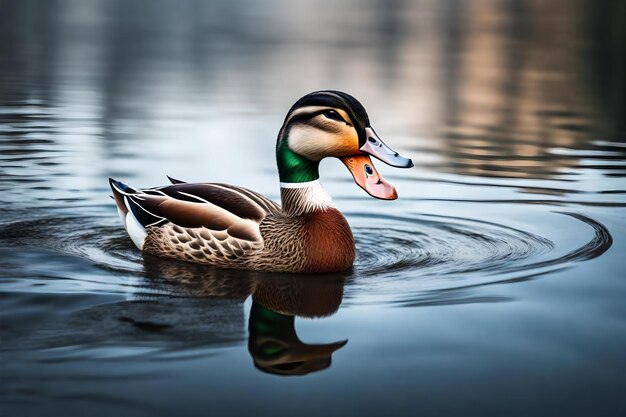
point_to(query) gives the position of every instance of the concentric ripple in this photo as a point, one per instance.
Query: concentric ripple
(434, 245)
(406, 258)
(410, 258)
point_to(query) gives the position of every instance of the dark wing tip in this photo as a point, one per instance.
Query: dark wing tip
(121, 187)
(118, 194)
(113, 182)
(174, 180)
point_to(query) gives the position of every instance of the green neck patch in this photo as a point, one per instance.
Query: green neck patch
(293, 167)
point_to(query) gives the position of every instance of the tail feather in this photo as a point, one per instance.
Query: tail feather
(120, 189)
(123, 196)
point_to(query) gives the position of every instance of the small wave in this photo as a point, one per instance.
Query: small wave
(401, 258)
(415, 259)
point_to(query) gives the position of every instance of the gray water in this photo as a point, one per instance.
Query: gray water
(494, 285)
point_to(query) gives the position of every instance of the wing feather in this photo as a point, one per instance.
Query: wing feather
(207, 221)
(232, 200)
(260, 199)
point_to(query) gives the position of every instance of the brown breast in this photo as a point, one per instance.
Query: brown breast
(330, 244)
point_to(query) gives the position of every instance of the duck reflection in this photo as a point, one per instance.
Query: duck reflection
(185, 308)
(276, 348)
(273, 342)
(276, 302)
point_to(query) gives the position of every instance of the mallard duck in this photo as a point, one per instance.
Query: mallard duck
(233, 227)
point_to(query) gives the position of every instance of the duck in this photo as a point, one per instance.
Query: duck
(232, 227)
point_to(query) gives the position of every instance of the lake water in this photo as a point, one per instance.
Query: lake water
(494, 285)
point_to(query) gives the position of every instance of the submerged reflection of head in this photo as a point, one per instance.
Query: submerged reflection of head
(273, 343)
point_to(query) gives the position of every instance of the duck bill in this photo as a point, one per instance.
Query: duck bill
(378, 149)
(366, 177)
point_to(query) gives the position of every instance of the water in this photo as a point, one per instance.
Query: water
(493, 285)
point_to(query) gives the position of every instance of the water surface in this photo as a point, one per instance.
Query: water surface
(493, 286)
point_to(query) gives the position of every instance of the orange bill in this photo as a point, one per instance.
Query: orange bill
(366, 177)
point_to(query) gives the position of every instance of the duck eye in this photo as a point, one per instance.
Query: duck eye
(332, 114)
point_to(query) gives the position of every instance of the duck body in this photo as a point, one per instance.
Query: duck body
(234, 227)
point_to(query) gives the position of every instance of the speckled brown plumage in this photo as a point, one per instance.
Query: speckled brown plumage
(232, 227)
(313, 242)
(320, 241)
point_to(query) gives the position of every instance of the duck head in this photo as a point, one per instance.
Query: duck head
(332, 123)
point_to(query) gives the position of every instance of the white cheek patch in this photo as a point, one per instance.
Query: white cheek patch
(309, 142)
(316, 144)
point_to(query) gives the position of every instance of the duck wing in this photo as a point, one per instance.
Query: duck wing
(221, 213)
(260, 199)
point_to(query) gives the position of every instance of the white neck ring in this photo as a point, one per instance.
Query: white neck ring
(299, 184)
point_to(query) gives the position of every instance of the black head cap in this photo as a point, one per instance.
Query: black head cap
(340, 100)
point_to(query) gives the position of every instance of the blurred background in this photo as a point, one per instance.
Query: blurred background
(460, 74)
(493, 285)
